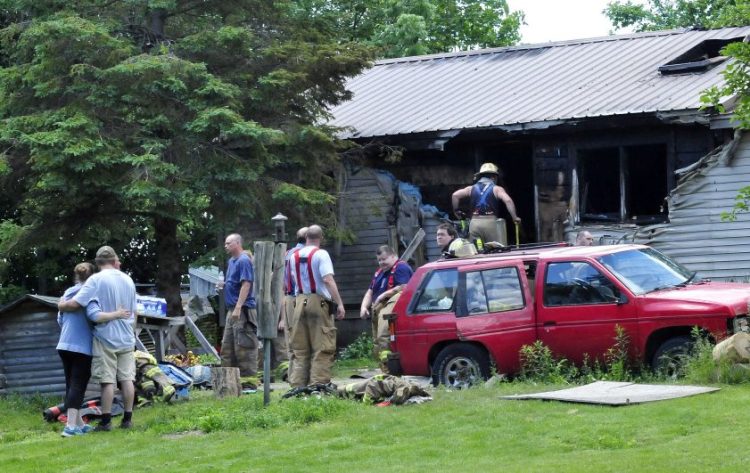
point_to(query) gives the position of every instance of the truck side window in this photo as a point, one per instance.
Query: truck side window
(493, 290)
(438, 292)
(576, 283)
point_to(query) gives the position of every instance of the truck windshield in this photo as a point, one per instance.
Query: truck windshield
(645, 270)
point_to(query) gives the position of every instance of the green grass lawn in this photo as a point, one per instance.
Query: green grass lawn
(463, 431)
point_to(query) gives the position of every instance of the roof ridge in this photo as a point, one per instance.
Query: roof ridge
(551, 44)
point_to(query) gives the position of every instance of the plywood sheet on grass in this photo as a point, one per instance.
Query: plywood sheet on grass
(617, 393)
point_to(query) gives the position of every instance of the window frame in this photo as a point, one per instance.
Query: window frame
(623, 147)
(603, 275)
(414, 303)
(461, 307)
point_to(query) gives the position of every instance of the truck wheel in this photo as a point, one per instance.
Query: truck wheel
(460, 366)
(671, 357)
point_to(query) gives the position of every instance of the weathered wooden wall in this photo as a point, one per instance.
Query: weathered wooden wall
(28, 337)
(368, 214)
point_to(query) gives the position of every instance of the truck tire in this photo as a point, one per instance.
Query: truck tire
(670, 358)
(460, 366)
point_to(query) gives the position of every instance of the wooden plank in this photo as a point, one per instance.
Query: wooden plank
(28, 358)
(36, 374)
(35, 379)
(42, 389)
(200, 337)
(26, 342)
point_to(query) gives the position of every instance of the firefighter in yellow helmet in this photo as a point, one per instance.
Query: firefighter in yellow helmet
(485, 196)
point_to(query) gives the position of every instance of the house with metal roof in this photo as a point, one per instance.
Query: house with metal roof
(605, 134)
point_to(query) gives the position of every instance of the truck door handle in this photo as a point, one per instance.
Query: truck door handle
(550, 323)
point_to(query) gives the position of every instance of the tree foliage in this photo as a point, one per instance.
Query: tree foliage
(670, 14)
(156, 123)
(411, 27)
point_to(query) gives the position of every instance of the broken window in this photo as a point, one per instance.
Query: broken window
(623, 183)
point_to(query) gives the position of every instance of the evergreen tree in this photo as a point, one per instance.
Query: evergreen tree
(123, 121)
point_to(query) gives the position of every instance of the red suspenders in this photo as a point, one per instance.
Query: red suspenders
(289, 283)
(308, 262)
(390, 276)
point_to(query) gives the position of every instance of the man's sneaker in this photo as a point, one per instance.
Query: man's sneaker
(103, 427)
(86, 428)
(126, 424)
(71, 431)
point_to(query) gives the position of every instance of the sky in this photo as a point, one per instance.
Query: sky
(559, 20)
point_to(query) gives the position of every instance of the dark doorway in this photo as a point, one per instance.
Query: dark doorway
(517, 166)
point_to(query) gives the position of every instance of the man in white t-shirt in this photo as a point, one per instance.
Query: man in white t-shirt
(313, 332)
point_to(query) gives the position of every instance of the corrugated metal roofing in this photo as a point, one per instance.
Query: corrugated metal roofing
(613, 75)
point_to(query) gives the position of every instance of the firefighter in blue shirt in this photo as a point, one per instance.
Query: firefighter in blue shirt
(383, 293)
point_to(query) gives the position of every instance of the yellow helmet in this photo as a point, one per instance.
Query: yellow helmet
(488, 168)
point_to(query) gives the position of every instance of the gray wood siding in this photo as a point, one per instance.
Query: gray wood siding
(696, 236)
(367, 206)
(28, 358)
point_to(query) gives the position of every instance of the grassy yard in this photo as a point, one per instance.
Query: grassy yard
(465, 431)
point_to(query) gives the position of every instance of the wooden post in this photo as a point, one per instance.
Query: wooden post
(226, 382)
(269, 280)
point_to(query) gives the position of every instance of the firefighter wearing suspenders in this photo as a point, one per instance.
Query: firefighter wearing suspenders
(485, 197)
(287, 310)
(383, 293)
(313, 334)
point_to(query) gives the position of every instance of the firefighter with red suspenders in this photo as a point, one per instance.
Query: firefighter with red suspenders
(287, 308)
(313, 333)
(383, 293)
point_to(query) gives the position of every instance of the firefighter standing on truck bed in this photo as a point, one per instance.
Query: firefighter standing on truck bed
(313, 334)
(485, 197)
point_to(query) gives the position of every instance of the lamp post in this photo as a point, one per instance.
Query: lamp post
(279, 225)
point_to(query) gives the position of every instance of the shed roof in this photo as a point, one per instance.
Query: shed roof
(44, 300)
(532, 84)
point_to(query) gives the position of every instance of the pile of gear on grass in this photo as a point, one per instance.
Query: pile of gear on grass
(381, 390)
(155, 382)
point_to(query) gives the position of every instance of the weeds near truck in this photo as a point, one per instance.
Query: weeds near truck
(539, 364)
(617, 357)
(700, 367)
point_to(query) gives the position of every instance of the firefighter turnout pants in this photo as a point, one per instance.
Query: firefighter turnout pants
(313, 341)
(288, 319)
(239, 346)
(488, 228)
(381, 336)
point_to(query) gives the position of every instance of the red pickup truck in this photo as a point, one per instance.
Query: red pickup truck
(457, 316)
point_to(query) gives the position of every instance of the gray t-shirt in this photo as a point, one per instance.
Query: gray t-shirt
(112, 289)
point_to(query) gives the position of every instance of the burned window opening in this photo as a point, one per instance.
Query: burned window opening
(699, 58)
(623, 184)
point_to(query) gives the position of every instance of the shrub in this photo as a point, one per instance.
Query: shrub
(617, 363)
(539, 364)
(360, 348)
